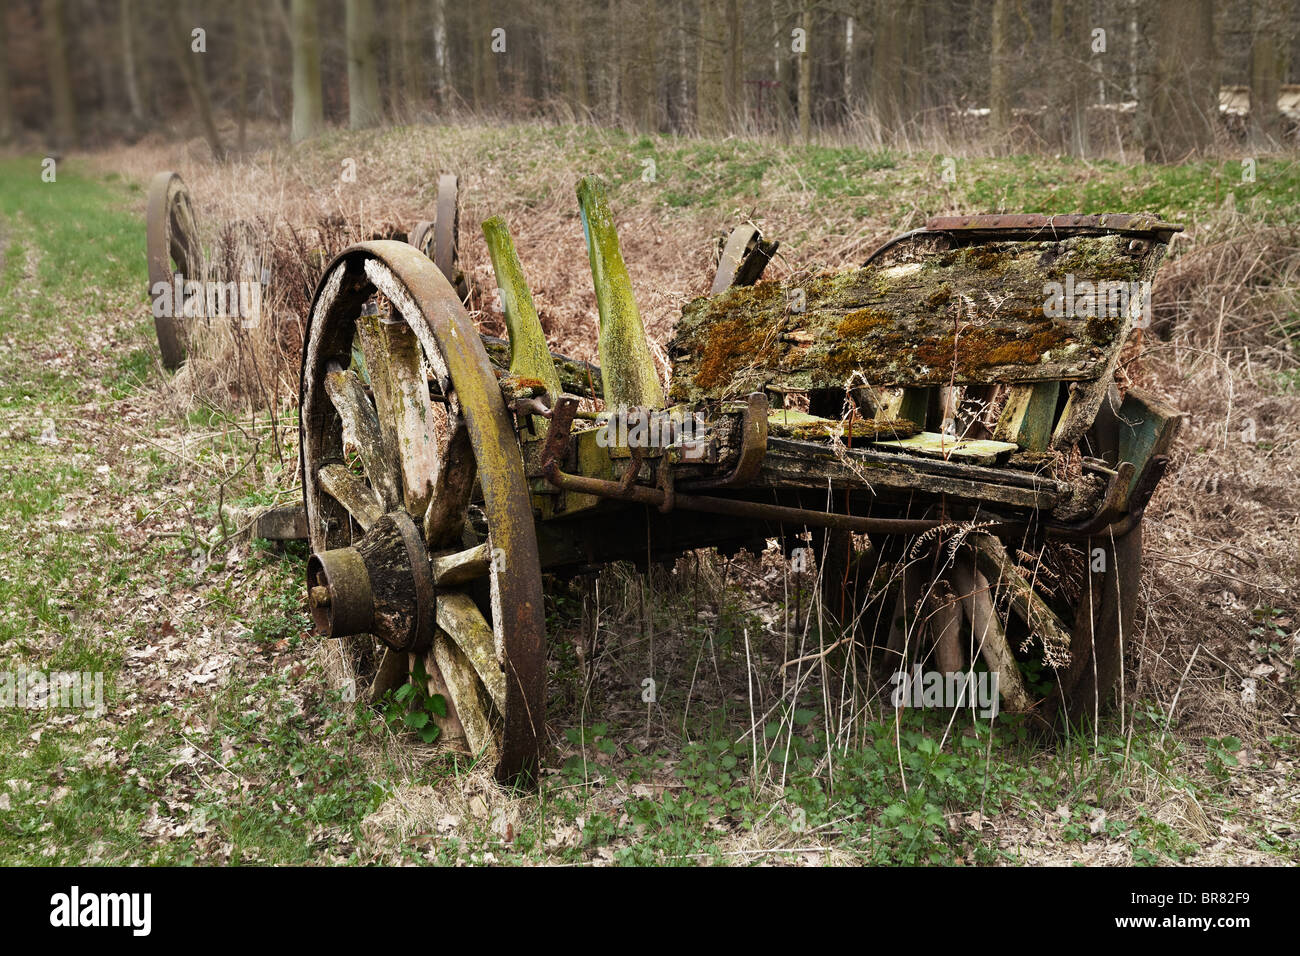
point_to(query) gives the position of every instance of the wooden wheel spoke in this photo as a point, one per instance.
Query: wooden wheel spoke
(461, 567)
(360, 500)
(489, 667)
(468, 694)
(361, 425)
(459, 618)
(395, 361)
(453, 485)
(990, 638)
(995, 564)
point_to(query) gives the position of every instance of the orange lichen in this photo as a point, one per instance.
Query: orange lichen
(732, 344)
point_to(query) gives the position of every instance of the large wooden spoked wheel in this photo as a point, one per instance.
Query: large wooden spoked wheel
(425, 552)
(172, 236)
(439, 238)
(1051, 618)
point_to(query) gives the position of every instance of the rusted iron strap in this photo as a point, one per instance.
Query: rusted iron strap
(1137, 504)
(1036, 226)
(557, 433)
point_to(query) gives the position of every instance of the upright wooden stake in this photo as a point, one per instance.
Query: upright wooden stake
(626, 364)
(529, 356)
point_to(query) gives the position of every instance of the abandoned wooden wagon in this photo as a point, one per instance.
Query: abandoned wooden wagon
(941, 427)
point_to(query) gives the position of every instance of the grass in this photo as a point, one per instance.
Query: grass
(223, 742)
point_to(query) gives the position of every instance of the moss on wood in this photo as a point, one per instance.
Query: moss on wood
(970, 315)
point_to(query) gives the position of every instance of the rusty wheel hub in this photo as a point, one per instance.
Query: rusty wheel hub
(383, 585)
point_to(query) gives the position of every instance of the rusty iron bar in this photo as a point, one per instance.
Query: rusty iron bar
(736, 508)
(1035, 226)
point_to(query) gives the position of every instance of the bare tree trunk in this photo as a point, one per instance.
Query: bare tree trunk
(241, 74)
(710, 78)
(268, 69)
(438, 79)
(735, 65)
(639, 86)
(887, 65)
(577, 70)
(1183, 103)
(782, 69)
(999, 92)
(126, 13)
(487, 86)
(308, 104)
(188, 62)
(94, 22)
(1268, 20)
(805, 77)
(406, 44)
(363, 65)
(6, 97)
(1069, 84)
(56, 56)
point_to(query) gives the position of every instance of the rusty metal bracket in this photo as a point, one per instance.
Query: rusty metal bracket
(557, 435)
(1035, 226)
(737, 508)
(753, 447)
(1112, 503)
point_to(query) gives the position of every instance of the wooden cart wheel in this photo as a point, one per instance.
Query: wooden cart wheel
(439, 239)
(173, 247)
(421, 236)
(1052, 622)
(396, 436)
(742, 259)
(446, 228)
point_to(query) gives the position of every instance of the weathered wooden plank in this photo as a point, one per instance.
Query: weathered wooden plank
(976, 451)
(408, 397)
(976, 314)
(1028, 415)
(1147, 427)
(361, 426)
(352, 493)
(374, 362)
(995, 565)
(988, 634)
(788, 423)
(469, 696)
(790, 465)
(453, 484)
(1102, 438)
(944, 625)
(459, 567)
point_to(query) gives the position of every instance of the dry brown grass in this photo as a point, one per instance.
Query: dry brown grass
(1222, 531)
